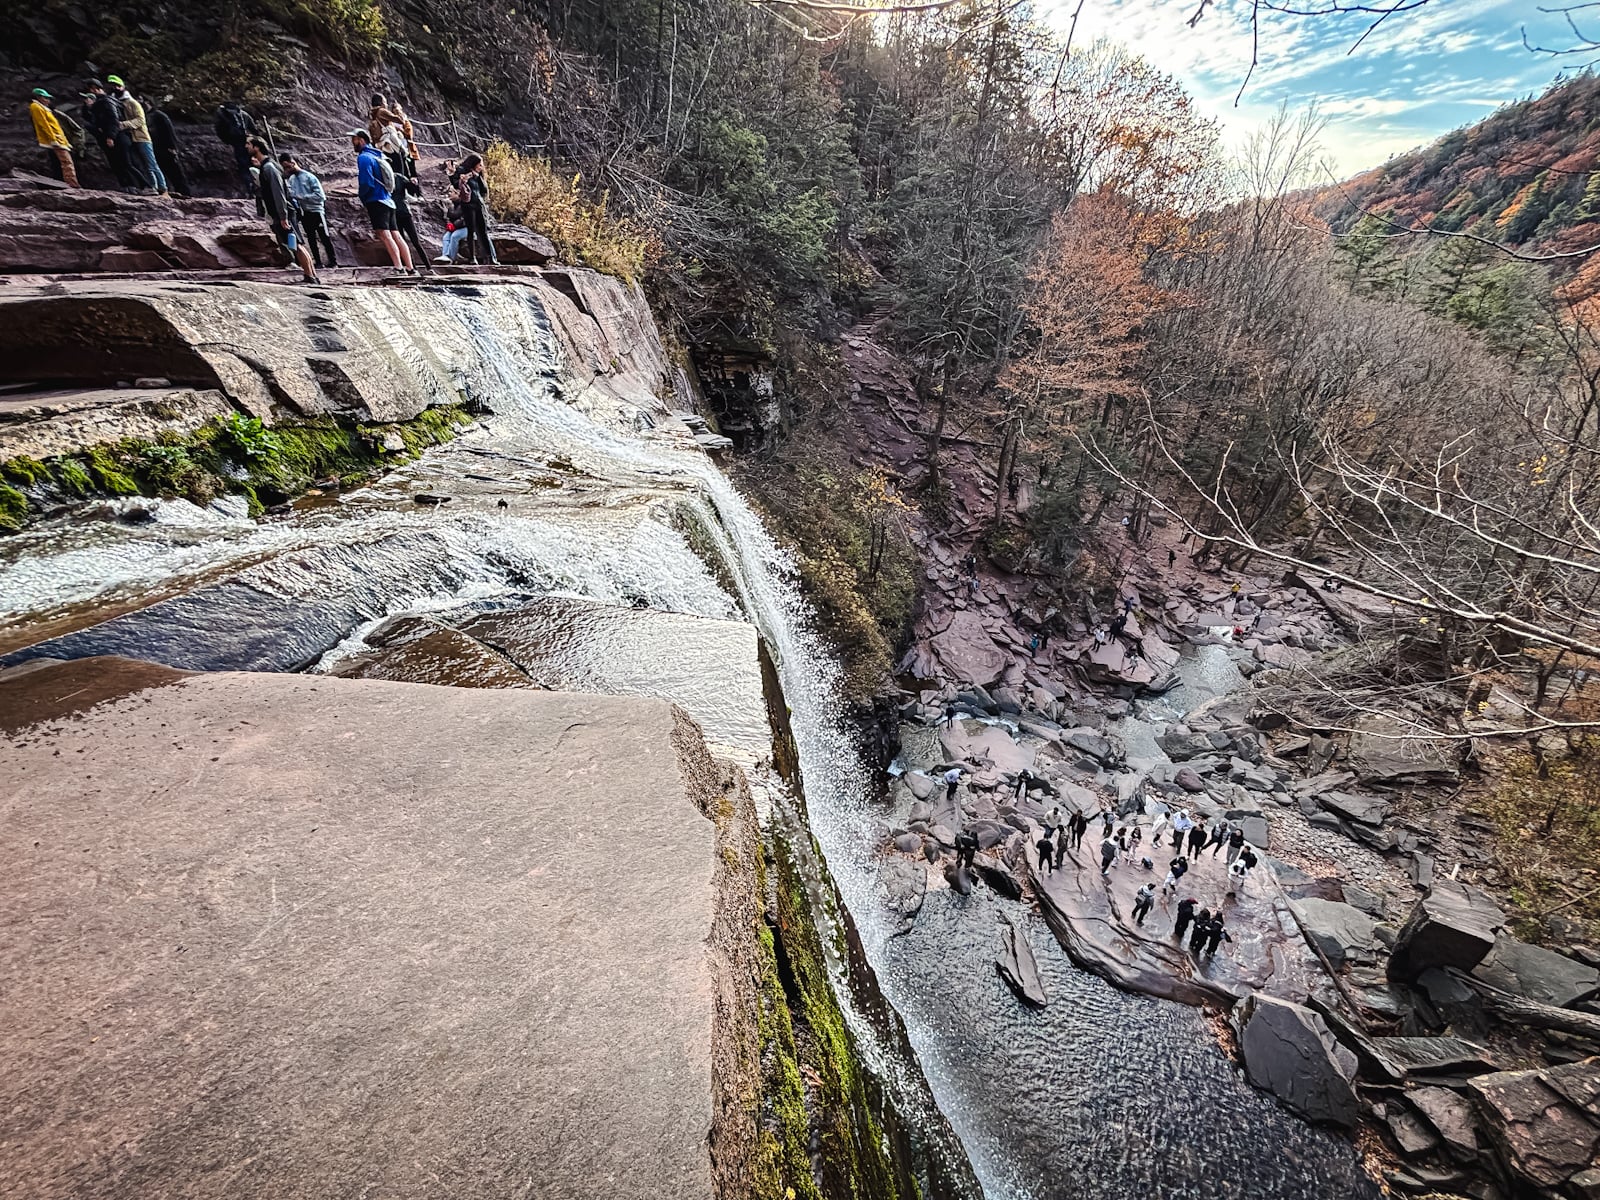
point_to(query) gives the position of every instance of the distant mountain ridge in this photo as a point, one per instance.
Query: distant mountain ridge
(1527, 176)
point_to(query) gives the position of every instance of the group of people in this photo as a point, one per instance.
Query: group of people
(1190, 838)
(138, 139)
(141, 149)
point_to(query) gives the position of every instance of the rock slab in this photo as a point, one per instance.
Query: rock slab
(1289, 1051)
(1454, 925)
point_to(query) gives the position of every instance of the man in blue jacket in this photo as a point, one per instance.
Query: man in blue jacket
(375, 178)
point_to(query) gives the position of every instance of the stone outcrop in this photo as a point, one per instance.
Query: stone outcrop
(1544, 1123)
(1341, 931)
(340, 928)
(1289, 1051)
(1385, 751)
(1454, 925)
(1538, 974)
(1018, 967)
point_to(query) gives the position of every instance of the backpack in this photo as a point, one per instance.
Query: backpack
(230, 124)
(386, 174)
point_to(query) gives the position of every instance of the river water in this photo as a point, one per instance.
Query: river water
(605, 533)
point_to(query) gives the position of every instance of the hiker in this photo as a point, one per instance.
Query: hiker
(104, 117)
(1235, 843)
(1135, 836)
(1143, 900)
(966, 848)
(950, 710)
(1108, 821)
(1237, 870)
(233, 127)
(312, 201)
(164, 140)
(1108, 854)
(1234, 590)
(385, 116)
(475, 189)
(1033, 645)
(280, 208)
(455, 220)
(1202, 926)
(1055, 822)
(1061, 846)
(375, 179)
(1197, 838)
(1118, 624)
(393, 147)
(1181, 825)
(1185, 916)
(1158, 827)
(1219, 836)
(1122, 843)
(1172, 558)
(1047, 853)
(1023, 782)
(1079, 825)
(1100, 635)
(1215, 934)
(1176, 870)
(52, 139)
(952, 778)
(141, 154)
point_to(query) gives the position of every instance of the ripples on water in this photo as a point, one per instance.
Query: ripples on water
(1102, 1094)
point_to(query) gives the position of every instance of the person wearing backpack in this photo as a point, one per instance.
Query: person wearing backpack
(141, 154)
(234, 127)
(375, 182)
(164, 138)
(104, 116)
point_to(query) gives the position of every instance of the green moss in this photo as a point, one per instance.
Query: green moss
(276, 463)
(13, 508)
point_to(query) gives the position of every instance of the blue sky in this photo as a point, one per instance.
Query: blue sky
(1417, 76)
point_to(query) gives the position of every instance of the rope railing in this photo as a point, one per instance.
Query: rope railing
(320, 140)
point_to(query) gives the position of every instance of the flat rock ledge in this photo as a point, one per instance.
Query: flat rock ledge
(288, 936)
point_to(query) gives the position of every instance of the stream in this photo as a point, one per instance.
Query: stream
(634, 562)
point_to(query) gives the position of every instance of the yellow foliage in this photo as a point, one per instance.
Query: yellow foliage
(528, 190)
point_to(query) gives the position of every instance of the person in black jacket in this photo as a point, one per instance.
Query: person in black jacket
(234, 127)
(103, 115)
(406, 186)
(473, 181)
(164, 140)
(280, 209)
(1185, 916)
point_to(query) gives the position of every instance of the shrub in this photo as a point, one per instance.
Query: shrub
(527, 190)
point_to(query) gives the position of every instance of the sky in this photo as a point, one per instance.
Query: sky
(1418, 75)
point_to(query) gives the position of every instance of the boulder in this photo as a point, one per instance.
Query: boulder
(1180, 745)
(1368, 810)
(1018, 967)
(1409, 1133)
(967, 652)
(1451, 1116)
(1545, 1123)
(1454, 925)
(1383, 750)
(958, 879)
(1189, 781)
(1538, 974)
(1341, 931)
(908, 843)
(1256, 832)
(997, 876)
(254, 245)
(905, 885)
(1097, 746)
(1289, 1051)
(522, 247)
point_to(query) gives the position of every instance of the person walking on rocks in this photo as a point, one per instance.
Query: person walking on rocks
(952, 780)
(950, 711)
(375, 182)
(1185, 917)
(1235, 843)
(1202, 927)
(1219, 835)
(1143, 900)
(141, 154)
(164, 140)
(280, 209)
(52, 139)
(1215, 934)
(1181, 825)
(1024, 778)
(1158, 827)
(1239, 868)
(1108, 822)
(312, 201)
(966, 848)
(1047, 853)
(1197, 838)
(1079, 825)
(1176, 870)
(234, 127)
(1108, 854)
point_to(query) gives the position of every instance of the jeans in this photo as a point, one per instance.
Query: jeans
(144, 160)
(451, 246)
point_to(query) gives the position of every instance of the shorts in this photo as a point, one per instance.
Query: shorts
(381, 216)
(282, 234)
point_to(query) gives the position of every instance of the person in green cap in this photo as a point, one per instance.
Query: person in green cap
(141, 154)
(52, 139)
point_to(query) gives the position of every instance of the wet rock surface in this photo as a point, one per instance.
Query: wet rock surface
(376, 894)
(1288, 1050)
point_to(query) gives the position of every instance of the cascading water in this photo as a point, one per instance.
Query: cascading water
(1099, 1093)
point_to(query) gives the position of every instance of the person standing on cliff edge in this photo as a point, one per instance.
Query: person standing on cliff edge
(280, 209)
(375, 178)
(52, 139)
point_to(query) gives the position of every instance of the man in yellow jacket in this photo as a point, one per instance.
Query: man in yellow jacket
(47, 132)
